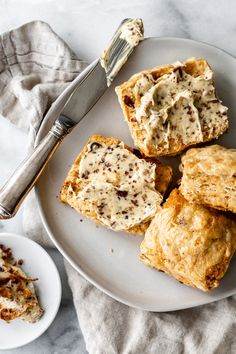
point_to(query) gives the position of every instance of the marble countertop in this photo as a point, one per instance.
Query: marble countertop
(86, 26)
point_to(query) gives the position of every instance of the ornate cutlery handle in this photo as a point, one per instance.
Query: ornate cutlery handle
(113, 58)
(26, 175)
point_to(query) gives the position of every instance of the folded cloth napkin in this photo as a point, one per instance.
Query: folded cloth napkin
(35, 67)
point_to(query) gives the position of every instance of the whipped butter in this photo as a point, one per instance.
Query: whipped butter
(178, 105)
(120, 185)
(121, 46)
(132, 32)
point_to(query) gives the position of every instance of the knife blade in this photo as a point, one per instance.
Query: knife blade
(100, 74)
(84, 98)
(91, 84)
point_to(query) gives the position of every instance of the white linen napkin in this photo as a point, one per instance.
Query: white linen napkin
(35, 67)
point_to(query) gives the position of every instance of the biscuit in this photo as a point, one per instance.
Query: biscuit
(209, 177)
(172, 107)
(113, 186)
(190, 242)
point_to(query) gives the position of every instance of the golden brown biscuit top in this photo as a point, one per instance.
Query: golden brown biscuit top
(214, 160)
(178, 104)
(191, 242)
(120, 185)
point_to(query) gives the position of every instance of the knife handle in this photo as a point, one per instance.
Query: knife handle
(25, 176)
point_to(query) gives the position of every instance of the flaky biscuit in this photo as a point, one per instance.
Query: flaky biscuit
(190, 242)
(209, 177)
(73, 184)
(189, 120)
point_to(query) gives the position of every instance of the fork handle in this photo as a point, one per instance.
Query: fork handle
(25, 176)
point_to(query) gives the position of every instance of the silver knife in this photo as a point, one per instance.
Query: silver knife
(92, 83)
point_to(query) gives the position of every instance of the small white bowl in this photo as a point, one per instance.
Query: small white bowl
(38, 264)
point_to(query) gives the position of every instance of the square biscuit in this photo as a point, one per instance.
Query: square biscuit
(190, 242)
(209, 177)
(171, 107)
(115, 186)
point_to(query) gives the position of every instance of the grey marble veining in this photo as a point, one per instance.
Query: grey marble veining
(86, 25)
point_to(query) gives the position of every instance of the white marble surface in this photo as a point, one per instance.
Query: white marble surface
(86, 26)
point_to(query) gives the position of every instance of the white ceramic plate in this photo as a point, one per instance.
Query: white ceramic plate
(37, 263)
(107, 259)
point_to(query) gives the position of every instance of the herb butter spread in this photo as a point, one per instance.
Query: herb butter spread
(17, 294)
(120, 185)
(132, 32)
(121, 46)
(178, 106)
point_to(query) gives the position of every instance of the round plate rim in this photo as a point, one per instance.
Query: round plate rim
(64, 253)
(26, 239)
